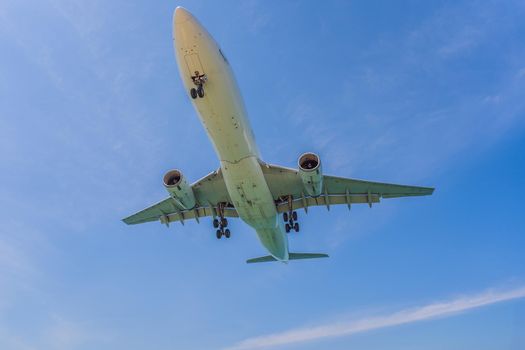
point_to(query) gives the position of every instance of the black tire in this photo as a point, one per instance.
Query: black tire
(285, 217)
(215, 223)
(227, 233)
(224, 222)
(200, 91)
(219, 234)
(294, 216)
(193, 93)
(296, 227)
(287, 228)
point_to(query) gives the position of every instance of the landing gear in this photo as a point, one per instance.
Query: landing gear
(291, 225)
(291, 221)
(200, 91)
(287, 217)
(290, 217)
(221, 223)
(199, 80)
(193, 93)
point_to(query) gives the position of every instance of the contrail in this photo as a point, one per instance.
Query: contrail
(433, 310)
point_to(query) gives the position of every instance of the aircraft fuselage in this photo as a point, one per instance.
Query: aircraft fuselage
(223, 114)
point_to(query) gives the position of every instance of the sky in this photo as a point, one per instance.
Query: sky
(93, 113)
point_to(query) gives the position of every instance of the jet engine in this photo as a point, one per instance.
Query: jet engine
(179, 189)
(311, 173)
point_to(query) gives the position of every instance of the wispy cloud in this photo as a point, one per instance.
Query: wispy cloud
(258, 19)
(58, 333)
(66, 334)
(422, 313)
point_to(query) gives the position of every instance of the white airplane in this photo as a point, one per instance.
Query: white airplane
(245, 186)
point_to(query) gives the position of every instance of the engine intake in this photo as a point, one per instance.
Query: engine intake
(311, 173)
(179, 189)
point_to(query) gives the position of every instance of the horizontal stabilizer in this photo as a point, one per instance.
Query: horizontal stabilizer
(297, 256)
(261, 259)
(292, 256)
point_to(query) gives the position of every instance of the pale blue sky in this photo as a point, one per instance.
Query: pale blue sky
(92, 113)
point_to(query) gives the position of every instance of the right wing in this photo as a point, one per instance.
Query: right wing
(284, 182)
(209, 192)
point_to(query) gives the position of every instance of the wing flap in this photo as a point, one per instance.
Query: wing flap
(385, 190)
(197, 213)
(153, 212)
(160, 212)
(327, 201)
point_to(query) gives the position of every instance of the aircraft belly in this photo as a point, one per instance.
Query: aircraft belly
(254, 203)
(249, 192)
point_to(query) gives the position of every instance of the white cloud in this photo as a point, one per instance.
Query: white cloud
(422, 313)
(258, 19)
(66, 334)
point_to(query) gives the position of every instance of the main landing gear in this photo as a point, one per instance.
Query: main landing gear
(290, 217)
(199, 80)
(221, 223)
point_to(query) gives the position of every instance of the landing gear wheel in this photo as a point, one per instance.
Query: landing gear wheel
(294, 216)
(215, 223)
(224, 222)
(227, 233)
(200, 91)
(193, 93)
(285, 217)
(296, 227)
(219, 234)
(287, 228)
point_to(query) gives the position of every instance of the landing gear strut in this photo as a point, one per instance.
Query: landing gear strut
(199, 80)
(221, 223)
(290, 217)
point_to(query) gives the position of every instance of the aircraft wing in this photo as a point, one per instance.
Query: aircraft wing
(209, 191)
(284, 182)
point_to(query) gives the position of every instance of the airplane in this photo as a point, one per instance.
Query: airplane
(245, 186)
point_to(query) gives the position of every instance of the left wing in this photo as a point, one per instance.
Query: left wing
(284, 182)
(210, 193)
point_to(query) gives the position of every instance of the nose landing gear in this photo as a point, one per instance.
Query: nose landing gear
(199, 80)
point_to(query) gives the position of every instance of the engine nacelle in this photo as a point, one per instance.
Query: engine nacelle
(311, 173)
(179, 189)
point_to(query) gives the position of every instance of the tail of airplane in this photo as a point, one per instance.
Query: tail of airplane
(291, 256)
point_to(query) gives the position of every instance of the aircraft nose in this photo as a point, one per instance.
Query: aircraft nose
(181, 15)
